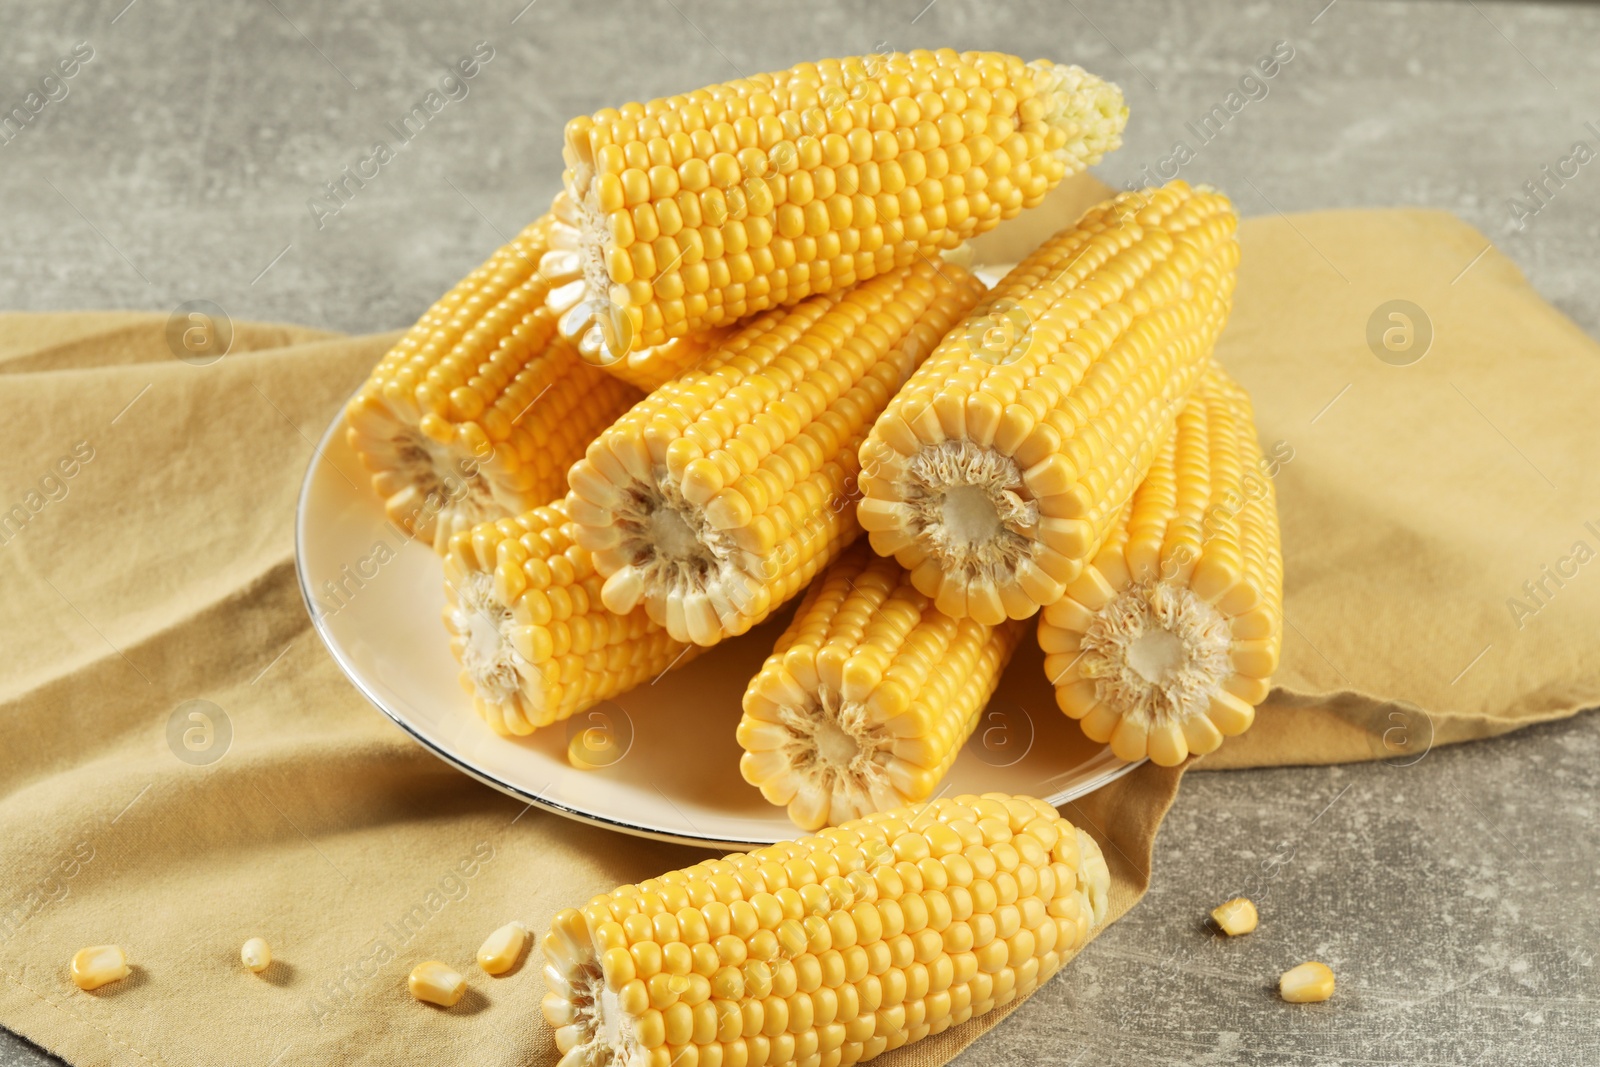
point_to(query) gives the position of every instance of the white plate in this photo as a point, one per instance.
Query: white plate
(679, 779)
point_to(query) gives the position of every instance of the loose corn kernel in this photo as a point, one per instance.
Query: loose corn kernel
(1237, 916)
(833, 948)
(437, 983)
(1309, 983)
(998, 470)
(99, 965)
(868, 696)
(501, 949)
(526, 622)
(1167, 640)
(695, 210)
(256, 954)
(719, 496)
(480, 408)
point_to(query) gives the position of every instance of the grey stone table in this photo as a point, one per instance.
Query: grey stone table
(190, 155)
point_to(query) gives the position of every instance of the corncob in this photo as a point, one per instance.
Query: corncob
(827, 950)
(868, 696)
(1165, 644)
(721, 494)
(695, 210)
(526, 624)
(480, 408)
(996, 472)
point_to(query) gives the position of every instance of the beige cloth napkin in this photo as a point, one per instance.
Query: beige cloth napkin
(150, 566)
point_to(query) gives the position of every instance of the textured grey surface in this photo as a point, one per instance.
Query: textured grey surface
(1454, 897)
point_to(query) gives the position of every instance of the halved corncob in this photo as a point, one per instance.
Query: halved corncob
(997, 471)
(868, 696)
(719, 496)
(522, 606)
(692, 211)
(480, 408)
(827, 950)
(1166, 642)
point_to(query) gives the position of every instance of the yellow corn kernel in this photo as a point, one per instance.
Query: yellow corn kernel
(998, 470)
(502, 949)
(1237, 916)
(868, 696)
(99, 965)
(438, 983)
(719, 496)
(692, 211)
(866, 937)
(524, 613)
(1309, 983)
(256, 954)
(479, 409)
(1168, 639)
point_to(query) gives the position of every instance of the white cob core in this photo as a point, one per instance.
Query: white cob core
(1158, 651)
(605, 1037)
(835, 747)
(969, 508)
(488, 659)
(671, 535)
(580, 239)
(969, 515)
(1155, 654)
(679, 559)
(434, 499)
(838, 755)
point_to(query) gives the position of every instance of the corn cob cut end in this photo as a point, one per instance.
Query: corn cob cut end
(1160, 654)
(674, 563)
(868, 697)
(973, 523)
(595, 316)
(827, 761)
(1167, 642)
(493, 672)
(699, 209)
(523, 612)
(829, 949)
(432, 485)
